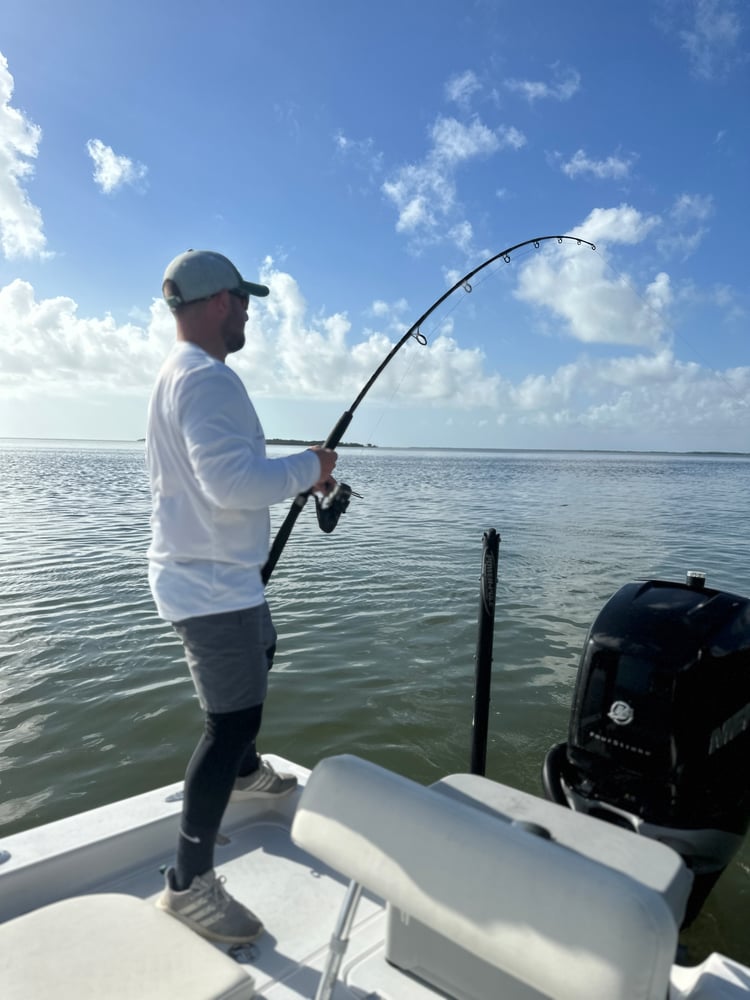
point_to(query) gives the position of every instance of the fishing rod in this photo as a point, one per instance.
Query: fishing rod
(336, 503)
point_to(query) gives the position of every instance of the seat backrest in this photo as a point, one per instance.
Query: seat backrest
(547, 916)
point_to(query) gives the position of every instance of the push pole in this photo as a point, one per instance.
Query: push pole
(483, 673)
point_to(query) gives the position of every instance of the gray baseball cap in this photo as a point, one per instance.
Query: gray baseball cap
(199, 274)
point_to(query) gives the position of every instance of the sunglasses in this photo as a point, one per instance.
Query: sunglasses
(242, 296)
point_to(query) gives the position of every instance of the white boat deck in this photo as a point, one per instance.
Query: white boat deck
(296, 896)
(121, 849)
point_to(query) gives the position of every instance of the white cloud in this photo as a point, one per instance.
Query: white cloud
(49, 352)
(288, 113)
(448, 373)
(452, 141)
(640, 401)
(511, 137)
(293, 355)
(613, 167)
(462, 87)
(673, 400)
(686, 225)
(711, 38)
(361, 152)
(46, 347)
(462, 235)
(726, 300)
(599, 305)
(393, 318)
(414, 190)
(21, 228)
(425, 193)
(623, 224)
(565, 86)
(111, 170)
(691, 207)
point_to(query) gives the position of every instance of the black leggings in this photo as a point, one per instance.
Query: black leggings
(226, 749)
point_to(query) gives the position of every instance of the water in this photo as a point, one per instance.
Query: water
(377, 622)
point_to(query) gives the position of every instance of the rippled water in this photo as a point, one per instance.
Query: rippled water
(377, 622)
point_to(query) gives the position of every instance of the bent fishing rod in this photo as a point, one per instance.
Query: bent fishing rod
(330, 508)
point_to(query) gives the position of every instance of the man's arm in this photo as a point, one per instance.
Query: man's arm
(226, 449)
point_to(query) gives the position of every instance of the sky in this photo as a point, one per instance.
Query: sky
(360, 158)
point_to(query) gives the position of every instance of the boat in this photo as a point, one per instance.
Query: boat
(467, 888)
(372, 886)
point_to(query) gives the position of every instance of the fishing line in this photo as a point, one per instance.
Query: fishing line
(468, 288)
(396, 391)
(414, 331)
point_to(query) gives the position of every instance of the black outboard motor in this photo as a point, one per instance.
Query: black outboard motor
(659, 738)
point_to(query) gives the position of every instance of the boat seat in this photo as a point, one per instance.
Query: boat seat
(542, 918)
(116, 947)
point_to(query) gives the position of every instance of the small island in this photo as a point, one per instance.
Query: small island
(307, 444)
(302, 444)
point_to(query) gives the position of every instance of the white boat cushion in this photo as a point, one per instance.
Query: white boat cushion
(554, 920)
(115, 947)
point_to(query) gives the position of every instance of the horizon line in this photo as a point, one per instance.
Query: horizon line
(288, 442)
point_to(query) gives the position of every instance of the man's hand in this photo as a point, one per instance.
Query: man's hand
(324, 486)
(327, 458)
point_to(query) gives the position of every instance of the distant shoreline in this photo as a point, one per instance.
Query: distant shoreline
(307, 444)
(294, 442)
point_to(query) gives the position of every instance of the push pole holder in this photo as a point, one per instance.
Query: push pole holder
(483, 675)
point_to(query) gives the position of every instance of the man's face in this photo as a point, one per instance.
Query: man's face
(233, 328)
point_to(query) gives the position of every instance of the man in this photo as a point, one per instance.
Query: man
(211, 486)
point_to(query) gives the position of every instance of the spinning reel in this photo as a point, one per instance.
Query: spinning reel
(330, 507)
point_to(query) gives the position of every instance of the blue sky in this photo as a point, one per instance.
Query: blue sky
(360, 158)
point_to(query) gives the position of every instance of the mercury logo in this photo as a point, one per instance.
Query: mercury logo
(620, 713)
(734, 726)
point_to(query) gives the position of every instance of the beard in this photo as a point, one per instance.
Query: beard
(233, 336)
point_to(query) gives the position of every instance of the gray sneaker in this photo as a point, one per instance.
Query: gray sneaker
(207, 908)
(265, 783)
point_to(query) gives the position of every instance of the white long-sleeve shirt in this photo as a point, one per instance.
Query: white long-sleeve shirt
(211, 485)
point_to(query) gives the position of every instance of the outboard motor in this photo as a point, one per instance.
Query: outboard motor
(659, 738)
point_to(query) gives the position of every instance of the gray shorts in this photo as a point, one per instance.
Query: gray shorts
(229, 656)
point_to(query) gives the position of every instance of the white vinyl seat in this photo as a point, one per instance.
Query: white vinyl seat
(112, 947)
(531, 916)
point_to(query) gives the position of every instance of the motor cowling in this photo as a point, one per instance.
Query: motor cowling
(659, 736)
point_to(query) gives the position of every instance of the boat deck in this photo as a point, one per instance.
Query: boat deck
(296, 896)
(124, 847)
